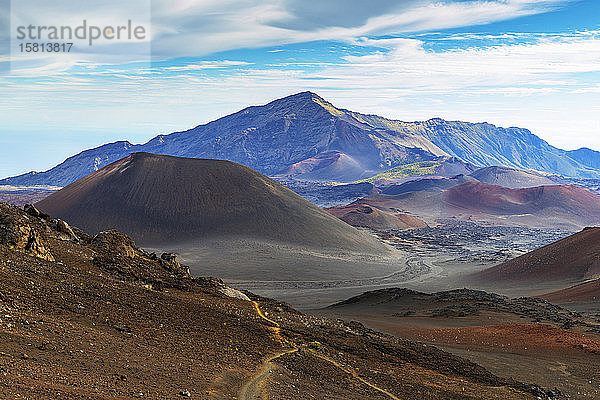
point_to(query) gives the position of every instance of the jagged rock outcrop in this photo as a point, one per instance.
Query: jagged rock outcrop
(22, 232)
(65, 231)
(115, 244)
(118, 253)
(169, 262)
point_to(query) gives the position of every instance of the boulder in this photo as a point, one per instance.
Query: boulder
(19, 232)
(34, 212)
(65, 230)
(115, 243)
(36, 247)
(169, 262)
(31, 210)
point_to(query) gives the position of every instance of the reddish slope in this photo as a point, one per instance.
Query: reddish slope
(582, 293)
(573, 258)
(162, 199)
(363, 215)
(498, 200)
(559, 206)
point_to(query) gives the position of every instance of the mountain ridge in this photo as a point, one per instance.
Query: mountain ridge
(296, 129)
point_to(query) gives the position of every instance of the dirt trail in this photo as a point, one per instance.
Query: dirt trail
(254, 389)
(354, 375)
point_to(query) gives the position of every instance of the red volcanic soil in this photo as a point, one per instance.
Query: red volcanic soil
(363, 215)
(564, 206)
(162, 199)
(513, 338)
(498, 200)
(582, 293)
(576, 257)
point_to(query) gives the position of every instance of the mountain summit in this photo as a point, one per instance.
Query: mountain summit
(307, 137)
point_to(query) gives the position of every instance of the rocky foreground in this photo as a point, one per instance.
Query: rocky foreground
(85, 317)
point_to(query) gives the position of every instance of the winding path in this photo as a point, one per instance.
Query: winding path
(254, 388)
(415, 268)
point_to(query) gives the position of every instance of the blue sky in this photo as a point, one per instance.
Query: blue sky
(528, 63)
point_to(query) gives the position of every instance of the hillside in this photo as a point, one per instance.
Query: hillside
(157, 199)
(513, 178)
(520, 337)
(488, 145)
(425, 184)
(362, 215)
(559, 206)
(561, 200)
(98, 317)
(304, 135)
(443, 166)
(587, 292)
(571, 259)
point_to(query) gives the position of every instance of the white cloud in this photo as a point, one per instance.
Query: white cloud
(196, 28)
(208, 65)
(409, 65)
(200, 28)
(537, 85)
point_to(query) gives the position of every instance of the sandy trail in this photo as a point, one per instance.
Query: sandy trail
(254, 388)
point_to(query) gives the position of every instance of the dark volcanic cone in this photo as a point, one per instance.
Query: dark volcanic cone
(162, 199)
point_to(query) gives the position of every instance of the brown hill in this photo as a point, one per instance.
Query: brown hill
(162, 199)
(423, 184)
(329, 166)
(573, 258)
(583, 293)
(363, 215)
(514, 178)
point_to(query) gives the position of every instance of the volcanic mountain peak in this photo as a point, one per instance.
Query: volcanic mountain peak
(273, 137)
(297, 101)
(289, 105)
